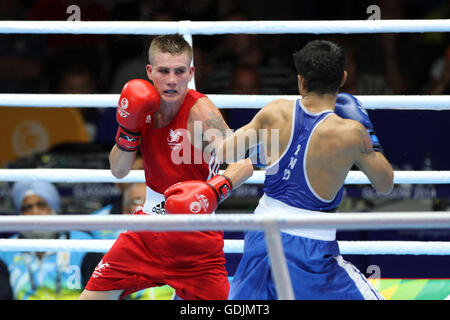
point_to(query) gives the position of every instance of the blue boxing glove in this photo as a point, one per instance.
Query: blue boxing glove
(348, 107)
(257, 156)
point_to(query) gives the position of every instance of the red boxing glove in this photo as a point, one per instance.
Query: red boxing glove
(138, 100)
(197, 196)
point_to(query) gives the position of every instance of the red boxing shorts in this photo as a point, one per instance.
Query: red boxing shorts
(193, 263)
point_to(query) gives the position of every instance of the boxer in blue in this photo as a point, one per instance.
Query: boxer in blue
(319, 139)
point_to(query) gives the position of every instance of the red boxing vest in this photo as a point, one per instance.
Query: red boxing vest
(168, 155)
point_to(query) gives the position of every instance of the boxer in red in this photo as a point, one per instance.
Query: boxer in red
(163, 120)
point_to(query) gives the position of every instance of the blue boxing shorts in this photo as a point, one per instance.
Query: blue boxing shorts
(316, 268)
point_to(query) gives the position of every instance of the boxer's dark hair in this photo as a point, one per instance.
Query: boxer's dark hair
(321, 63)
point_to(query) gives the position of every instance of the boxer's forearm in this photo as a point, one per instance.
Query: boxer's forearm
(239, 172)
(235, 147)
(121, 162)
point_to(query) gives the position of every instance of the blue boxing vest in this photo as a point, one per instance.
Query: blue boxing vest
(286, 179)
(316, 268)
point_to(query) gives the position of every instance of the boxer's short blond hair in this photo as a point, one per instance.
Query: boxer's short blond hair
(169, 43)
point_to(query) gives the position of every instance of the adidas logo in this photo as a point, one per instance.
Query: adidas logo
(159, 208)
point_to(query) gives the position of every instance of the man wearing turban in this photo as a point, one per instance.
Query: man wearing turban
(36, 198)
(45, 275)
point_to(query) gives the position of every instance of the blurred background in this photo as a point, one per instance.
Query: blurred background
(378, 64)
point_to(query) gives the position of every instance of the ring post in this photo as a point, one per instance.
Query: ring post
(278, 262)
(184, 26)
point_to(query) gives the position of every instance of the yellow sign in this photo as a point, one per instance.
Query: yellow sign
(27, 131)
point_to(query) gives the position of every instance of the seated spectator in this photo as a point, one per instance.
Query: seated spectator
(40, 275)
(133, 195)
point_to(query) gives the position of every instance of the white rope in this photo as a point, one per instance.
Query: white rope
(234, 246)
(224, 27)
(395, 247)
(223, 101)
(236, 221)
(105, 176)
(266, 222)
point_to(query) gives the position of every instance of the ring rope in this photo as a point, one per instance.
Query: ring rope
(235, 246)
(105, 176)
(225, 27)
(236, 221)
(223, 101)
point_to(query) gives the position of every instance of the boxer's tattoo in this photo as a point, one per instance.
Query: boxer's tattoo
(367, 144)
(216, 121)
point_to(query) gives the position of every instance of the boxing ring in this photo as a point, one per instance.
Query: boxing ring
(270, 223)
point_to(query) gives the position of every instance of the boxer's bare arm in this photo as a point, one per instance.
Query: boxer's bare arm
(374, 165)
(276, 115)
(214, 130)
(121, 162)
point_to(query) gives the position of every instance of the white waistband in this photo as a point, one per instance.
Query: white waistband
(271, 205)
(154, 202)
